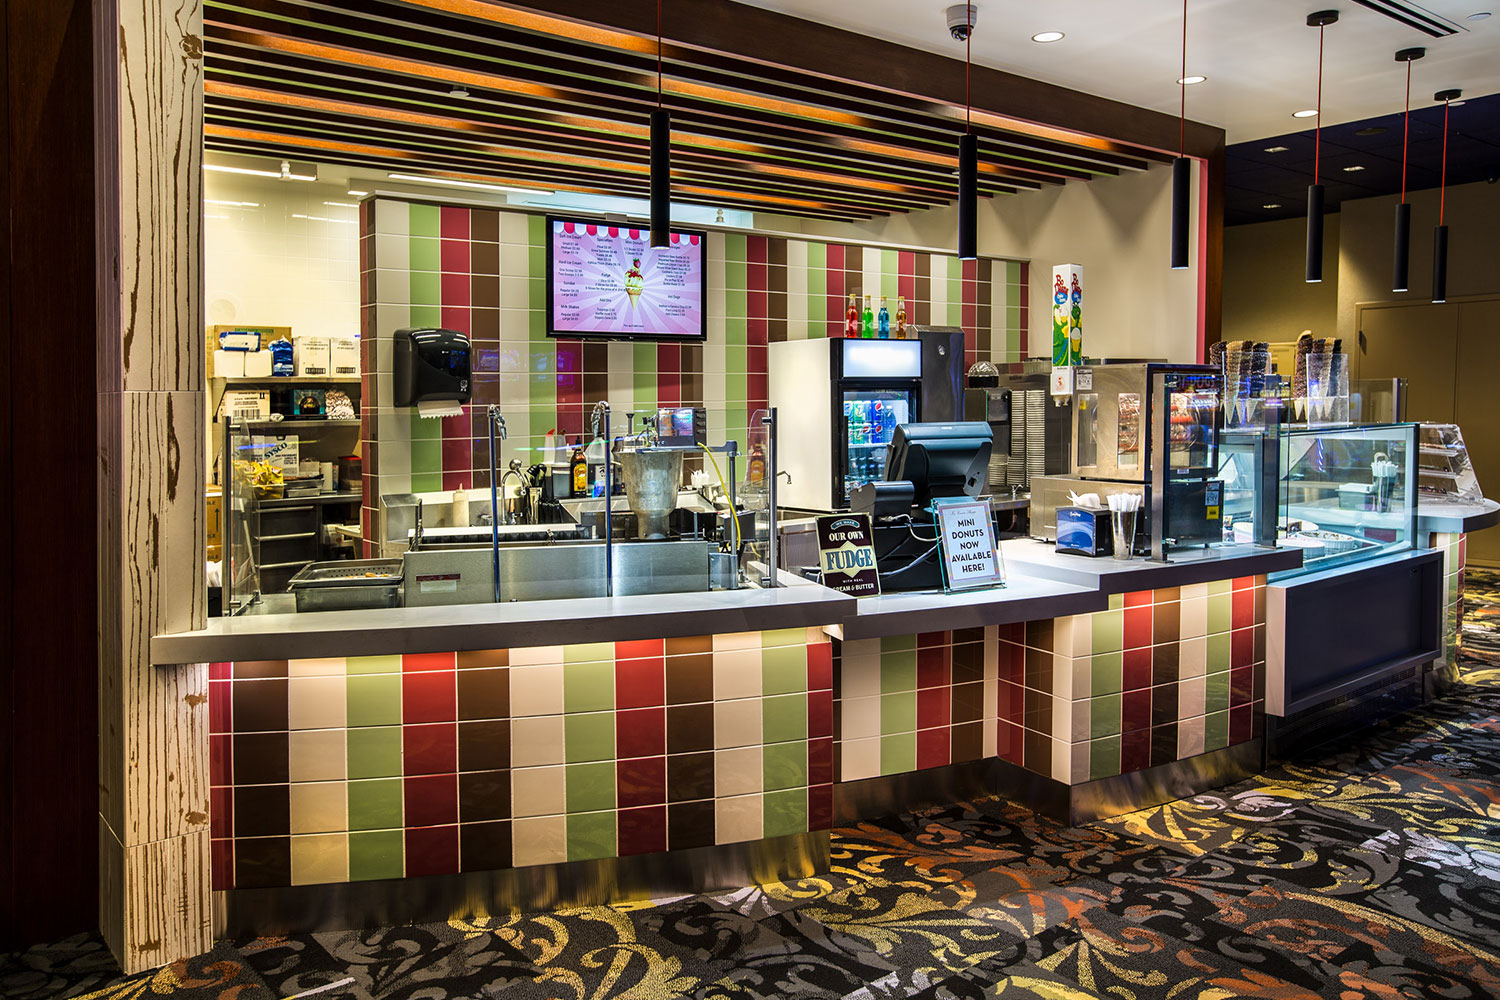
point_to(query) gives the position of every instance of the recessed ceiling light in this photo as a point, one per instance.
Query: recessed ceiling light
(1371, 130)
(358, 194)
(1188, 81)
(459, 90)
(1275, 149)
(449, 182)
(1456, 104)
(1306, 113)
(1479, 15)
(1274, 204)
(1048, 36)
(1355, 168)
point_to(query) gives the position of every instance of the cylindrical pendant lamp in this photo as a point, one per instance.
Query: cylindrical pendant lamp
(1401, 260)
(1320, 20)
(968, 196)
(1182, 176)
(661, 178)
(1440, 234)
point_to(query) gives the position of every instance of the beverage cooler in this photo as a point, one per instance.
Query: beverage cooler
(840, 400)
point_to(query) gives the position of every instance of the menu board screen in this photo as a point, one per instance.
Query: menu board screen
(606, 281)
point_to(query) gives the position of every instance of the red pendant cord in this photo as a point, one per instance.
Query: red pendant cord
(1318, 134)
(1182, 113)
(1406, 133)
(1443, 190)
(968, 73)
(658, 53)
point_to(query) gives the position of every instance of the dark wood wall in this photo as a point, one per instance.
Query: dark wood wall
(48, 675)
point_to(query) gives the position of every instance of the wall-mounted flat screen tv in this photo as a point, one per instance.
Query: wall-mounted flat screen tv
(605, 281)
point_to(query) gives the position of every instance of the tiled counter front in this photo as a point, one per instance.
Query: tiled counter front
(1455, 554)
(377, 767)
(1161, 676)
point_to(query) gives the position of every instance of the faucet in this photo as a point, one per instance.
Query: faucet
(493, 420)
(513, 470)
(600, 418)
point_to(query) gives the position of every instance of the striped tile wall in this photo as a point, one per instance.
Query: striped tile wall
(348, 769)
(483, 272)
(1455, 549)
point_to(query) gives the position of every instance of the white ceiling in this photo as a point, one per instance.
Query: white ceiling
(1260, 56)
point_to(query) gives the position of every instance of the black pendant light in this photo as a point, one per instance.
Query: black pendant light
(968, 155)
(1182, 170)
(1440, 234)
(1319, 20)
(1400, 264)
(661, 158)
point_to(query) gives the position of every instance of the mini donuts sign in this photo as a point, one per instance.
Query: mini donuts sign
(968, 539)
(846, 555)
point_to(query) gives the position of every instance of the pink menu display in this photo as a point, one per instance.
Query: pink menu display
(607, 281)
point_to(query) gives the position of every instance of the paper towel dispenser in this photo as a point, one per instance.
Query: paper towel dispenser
(430, 365)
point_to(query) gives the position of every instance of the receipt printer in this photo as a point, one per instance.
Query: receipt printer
(429, 365)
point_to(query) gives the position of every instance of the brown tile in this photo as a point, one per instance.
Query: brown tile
(251, 669)
(1038, 670)
(1036, 752)
(263, 862)
(484, 847)
(483, 658)
(968, 663)
(484, 694)
(260, 706)
(690, 824)
(595, 387)
(1038, 711)
(260, 758)
(968, 702)
(484, 746)
(484, 325)
(595, 356)
(484, 226)
(1165, 662)
(690, 728)
(483, 795)
(690, 776)
(262, 811)
(690, 644)
(1163, 744)
(484, 291)
(1039, 634)
(690, 678)
(1166, 595)
(1163, 705)
(1166, 622)
(968, 741)
(484, 258)
(967, 635)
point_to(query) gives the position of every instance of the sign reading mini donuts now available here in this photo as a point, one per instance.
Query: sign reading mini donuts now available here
(967, 536)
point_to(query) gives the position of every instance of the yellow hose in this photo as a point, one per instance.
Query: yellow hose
(734, 515)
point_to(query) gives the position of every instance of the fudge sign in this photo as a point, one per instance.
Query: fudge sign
(968, 540)
(846, 555)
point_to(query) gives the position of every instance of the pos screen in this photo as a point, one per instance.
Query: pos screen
(941, 459)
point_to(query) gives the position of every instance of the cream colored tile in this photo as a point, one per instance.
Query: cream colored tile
(738, 772)
(316, 703)
(536, 689)
(737, 673)
(1193, 591)
(737, 723)
(536, 740)
(861, 717)
(320, 859)
(738, 819)
(737, 640)
(1190, 697)
(859, 673)
(318, 807)
(523, 656)
(1062, 761)
(332, 666)
(317, 755)
(1193, 657)
(538, 791)
(515, 228)
(539, 840)
(991, 731)
(1190, 737)
(859, 758)
(1194, 617)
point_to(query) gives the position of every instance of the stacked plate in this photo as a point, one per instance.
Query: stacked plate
(1036, 433)
(999, 467)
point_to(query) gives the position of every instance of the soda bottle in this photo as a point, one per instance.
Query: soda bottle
(901, 317)
(868, 320)
(851, 318)
(883, 320)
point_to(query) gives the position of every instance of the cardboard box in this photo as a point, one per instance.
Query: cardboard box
(267, 334)
(257, 364)
(343, 357)
(279, 450)
(213, 507)
(227, 364)
(241, 405)
(312, 356)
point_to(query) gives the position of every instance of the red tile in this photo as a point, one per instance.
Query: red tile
(641, 782)
(640, 683)
(220, 766)
(1135, 751)
(1242, 647)
(429, 697)
(819, 714)
(455, 289)
(1135, 710)
(932, 747)
(222, 855)
(1013, 663)
(453, 222)
(755, 252)
(458, 480)
(432, 850)
(640, 648)
(1137, 668)
(429, 661)
(220, 715)
(819, 761)
(455, 257)
(820, 807)
(643, 830)
(932, 666)
(1244, 582)
(221, 812)
(458, 454)
(835, 257)
(1012, 702)
(429, 749)
(641, 732)
(220, 672)
(431, 800)
(1241, 723)
(1138, 625)
(1241, 686)
(820, 666)
(456, 317)
(926, 640)
(934, 707)
(1244, 608)
(1010, 743)
(1138, 598)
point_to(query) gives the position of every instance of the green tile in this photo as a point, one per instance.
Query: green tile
(1218, 652)
(422, 428)
(817, 290)
(373, 700)
(898, 672)
(372, 665)
(591, 835)
(1216, 731)
(374, 751)
(425, 254)
(536, 300)
(426, 288)
(590, 736)
(427, 482)
(898, 754)
(784, 765)
(375, 805)
(426, 315)
(376, 855)
(536, 263)
(536, 230)
(591, 786)
(424, 220)
(589, 687)
(1012, 272)
(1106, 671)
(1104, 716)
(736, 386)
(784, 812)
(1116, 602)
(898, 713)
(588, 652)
(735, 299)
(734, 249)
(426, 457)
(1220, 613)
(817, 256)
(1104, 758)
(1108, 631)
(783, 637)
(783, 669)
(890, 643)
(1220, 587)
(783, 718)
(1216, 692)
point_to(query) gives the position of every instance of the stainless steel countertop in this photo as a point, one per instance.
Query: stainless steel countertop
(1435, 515)
(1118, 576)
(1023, 598)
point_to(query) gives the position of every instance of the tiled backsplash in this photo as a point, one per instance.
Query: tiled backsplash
(346, 769)
(482, 272)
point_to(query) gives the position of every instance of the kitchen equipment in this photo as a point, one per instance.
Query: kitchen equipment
(652, 477)
(347, 584)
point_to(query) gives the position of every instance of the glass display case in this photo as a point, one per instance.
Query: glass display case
(248, 477)
(1445, 474)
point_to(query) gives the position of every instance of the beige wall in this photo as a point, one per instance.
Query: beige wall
(1117, 228)
(1266, 296)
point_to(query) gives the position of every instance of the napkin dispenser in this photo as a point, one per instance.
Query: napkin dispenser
(1085, 531)
(430, 366)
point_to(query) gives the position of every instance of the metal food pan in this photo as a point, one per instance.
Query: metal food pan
(348, 573)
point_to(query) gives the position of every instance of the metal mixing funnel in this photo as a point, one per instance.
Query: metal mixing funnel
(652, 476)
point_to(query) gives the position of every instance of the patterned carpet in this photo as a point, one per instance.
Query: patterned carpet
(1373, 871)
